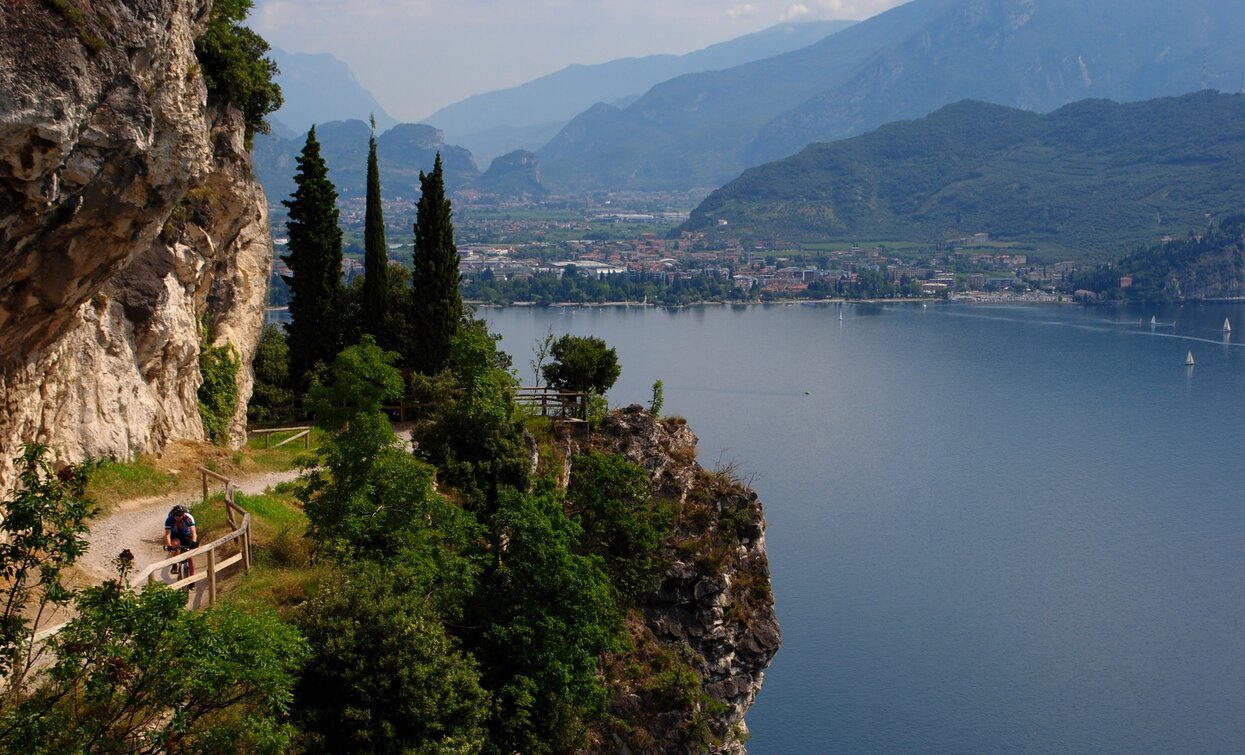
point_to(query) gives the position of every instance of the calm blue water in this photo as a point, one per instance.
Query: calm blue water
(992, 529)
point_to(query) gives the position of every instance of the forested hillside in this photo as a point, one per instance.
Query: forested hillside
(702, 130)
(1095, 178)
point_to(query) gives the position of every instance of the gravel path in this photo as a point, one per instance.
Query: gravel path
(139, 526)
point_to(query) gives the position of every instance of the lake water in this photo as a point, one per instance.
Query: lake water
(992, 529)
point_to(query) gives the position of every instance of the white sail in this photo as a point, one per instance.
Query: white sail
(1189, 360)
(1153, 320)
(1227, 326)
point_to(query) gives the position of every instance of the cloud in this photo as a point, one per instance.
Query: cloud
(799, 10)
(738, 12)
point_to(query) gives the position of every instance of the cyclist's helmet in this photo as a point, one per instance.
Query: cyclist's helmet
(179, 510)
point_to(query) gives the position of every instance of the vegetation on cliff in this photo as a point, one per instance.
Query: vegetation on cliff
(235, 65)
(1206, 265)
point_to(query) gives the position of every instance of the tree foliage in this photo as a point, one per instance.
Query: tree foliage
(235, 67)
(315, 262)
(271, 396)
(476, 439)
(375, 298)
(140, 673)
(384, 675)
(546, 615)
(436, 304)
(612, 501)
(582, 363)
(360, 380)
(43, 528)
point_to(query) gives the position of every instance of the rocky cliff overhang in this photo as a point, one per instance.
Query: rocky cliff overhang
(714, 606)
(128, 217)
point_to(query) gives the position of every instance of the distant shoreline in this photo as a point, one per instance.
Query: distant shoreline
(964, 299)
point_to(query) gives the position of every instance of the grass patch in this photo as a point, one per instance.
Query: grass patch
(114, 481)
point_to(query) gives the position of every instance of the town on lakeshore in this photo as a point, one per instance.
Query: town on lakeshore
(608, 250)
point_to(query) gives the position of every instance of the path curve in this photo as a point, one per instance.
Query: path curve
(138, 525)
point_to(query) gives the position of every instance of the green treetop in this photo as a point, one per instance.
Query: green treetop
(436, 305)
(234, 65)
(315, 260)
(376, 258)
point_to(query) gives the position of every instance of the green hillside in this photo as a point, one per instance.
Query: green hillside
(1095, 177)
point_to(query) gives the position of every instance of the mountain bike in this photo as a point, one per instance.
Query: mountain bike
(180, 569)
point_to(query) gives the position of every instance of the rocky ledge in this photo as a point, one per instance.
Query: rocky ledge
(714, 609)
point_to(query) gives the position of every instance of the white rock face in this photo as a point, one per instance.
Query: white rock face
(128, 216)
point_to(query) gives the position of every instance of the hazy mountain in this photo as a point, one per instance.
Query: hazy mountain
(321, 88)
(699, 130)
(402, 152)
(1093, 177)
(528, 115)
(516, 174)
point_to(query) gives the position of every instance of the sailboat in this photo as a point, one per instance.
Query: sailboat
(1227, 326)
(840, 317)
(1188, 361)
(1153, 321)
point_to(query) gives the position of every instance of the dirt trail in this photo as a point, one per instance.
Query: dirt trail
(138, 525)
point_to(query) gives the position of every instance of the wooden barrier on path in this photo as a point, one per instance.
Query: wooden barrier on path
(551, 402)
(305, 434)
(241, 531)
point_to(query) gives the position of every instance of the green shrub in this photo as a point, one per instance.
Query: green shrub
(218, 391)
(235, 68)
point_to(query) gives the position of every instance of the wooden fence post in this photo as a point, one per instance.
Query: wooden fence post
(211, 576)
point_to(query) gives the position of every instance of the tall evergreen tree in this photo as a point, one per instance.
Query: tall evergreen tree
(376, 257)
(436, 304)
(315, 260)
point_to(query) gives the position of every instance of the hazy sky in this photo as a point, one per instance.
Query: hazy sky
(417, 56)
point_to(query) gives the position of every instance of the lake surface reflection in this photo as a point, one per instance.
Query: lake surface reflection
(991, 528)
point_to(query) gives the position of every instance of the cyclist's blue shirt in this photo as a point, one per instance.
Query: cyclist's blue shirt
(170, 524)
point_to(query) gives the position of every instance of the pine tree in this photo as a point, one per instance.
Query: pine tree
(436, 304)
(376, 257)
(315, 260)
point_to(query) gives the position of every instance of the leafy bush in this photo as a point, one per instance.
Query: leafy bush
(235, 68)
(218, 389)
(582, 363)
(384, 676)
(611, 499)
(272, 398)
(143, 674)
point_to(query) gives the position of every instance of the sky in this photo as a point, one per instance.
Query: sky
(417, 56)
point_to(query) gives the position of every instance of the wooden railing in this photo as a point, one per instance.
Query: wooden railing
(241, 531)
(305, 434)
(550, 402)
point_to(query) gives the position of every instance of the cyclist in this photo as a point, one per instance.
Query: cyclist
(180, 532)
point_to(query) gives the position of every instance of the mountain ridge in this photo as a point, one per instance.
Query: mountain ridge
(701, 130)
(529, 114)
(1094, 175)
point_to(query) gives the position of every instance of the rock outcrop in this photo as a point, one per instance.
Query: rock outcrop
(128, 219)
(714, 609)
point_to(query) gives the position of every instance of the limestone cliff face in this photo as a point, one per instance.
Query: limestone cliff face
(714, 608)
(128, 215)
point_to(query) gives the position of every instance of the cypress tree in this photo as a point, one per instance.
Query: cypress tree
(376, 256)
(436, 304)
(315, 260)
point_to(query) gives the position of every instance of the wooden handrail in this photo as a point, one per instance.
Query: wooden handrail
(304, 432)
(148, 576)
